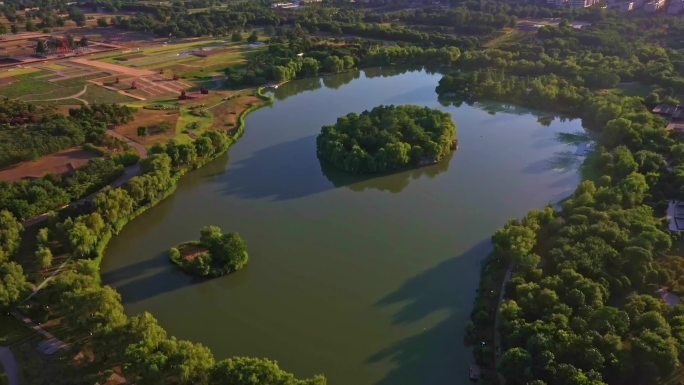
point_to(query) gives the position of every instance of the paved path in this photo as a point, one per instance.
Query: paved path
(52, 343)
(139, 148)
(10, 364)
(40, 286)
(497, 321)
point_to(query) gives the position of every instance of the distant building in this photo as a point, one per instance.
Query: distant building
(654, 5)
(571, 3)
(284, 5)
(669, 110)
(623, 6)
(675, 216)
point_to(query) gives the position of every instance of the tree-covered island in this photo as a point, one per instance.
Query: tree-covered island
(387, 138)
(214, 255)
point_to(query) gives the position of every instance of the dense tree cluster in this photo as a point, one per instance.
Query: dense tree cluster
(296, 55)
(30, 197)
(215, 254)
(580, 307)
(387, 138)
(28, 132)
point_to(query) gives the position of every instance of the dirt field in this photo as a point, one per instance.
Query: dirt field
(226, 114)
(190, 252)
(57, 163)
(113, 68)
(144, 117)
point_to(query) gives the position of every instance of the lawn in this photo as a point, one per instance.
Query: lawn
(39, 90)
(186, 119)
(97, 94)
(27, 84)
(33, 87)
(54, 66)
(508, 36)
(18, 71)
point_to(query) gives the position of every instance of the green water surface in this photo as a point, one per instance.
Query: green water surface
(366, 280)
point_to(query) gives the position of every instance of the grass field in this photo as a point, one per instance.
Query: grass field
(187, 119)
(18, 71)
(35, 87)
(508, 36)
(31, 86)
(178, 59)
(97, 94)
(54, 66)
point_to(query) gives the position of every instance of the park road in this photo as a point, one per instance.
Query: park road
(10, 364)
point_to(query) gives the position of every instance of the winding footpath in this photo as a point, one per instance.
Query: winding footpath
(74, 96)
(497, 322)
(10, 365)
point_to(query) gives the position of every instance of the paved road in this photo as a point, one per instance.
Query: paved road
(10, 364)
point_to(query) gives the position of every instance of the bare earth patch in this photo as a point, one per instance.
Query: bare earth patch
(144, 117)
(226, 114)
(58, 163)
(190, 252)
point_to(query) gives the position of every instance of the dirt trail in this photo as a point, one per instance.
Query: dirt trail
(74, 96)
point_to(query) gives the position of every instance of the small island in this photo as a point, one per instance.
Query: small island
(387, 138)
(214, 255)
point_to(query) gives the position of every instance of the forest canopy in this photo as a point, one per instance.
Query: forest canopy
(387, 138)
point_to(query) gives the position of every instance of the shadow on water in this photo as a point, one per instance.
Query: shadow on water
(282, 171)
(431, 356)
(338, 80)
(297, 87)
(287, 171)
(148, 278)
(392, 182)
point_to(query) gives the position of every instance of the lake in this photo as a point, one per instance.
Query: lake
(368, 280)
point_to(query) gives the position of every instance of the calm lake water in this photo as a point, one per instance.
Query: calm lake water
(366, 280)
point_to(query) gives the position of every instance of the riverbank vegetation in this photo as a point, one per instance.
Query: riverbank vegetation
(580, 306)
(214, 255)
(387, 138)
(137, 346)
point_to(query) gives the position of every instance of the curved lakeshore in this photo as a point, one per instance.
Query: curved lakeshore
(419, 238)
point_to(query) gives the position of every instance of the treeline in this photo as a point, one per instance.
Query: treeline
(27, 198)
(28, 132)
(460, 20)
(178, 22)
(297, 55)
